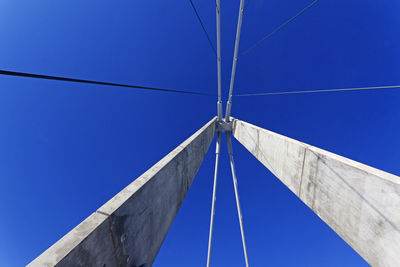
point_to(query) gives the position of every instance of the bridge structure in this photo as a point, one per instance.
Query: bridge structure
(358, 202)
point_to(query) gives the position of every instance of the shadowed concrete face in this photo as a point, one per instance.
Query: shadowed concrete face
(129, 229)
(360, 203)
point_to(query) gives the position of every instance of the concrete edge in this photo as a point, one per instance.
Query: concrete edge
(81, 232)
(363, 167)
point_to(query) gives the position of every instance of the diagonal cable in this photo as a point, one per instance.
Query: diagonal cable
(47, 77)
(323, 91)
(278, 28)
(204, 28)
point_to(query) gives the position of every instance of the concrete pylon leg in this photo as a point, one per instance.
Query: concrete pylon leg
(360, 203)
(129, 229)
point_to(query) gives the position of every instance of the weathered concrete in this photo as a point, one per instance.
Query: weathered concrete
(360, 203)
(129, 229)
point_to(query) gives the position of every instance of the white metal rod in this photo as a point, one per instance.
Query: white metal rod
(239, 27)
(217, 150)
(228, 139)
(219, 104)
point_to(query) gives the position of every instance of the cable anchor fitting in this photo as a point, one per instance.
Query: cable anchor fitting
(223, 126)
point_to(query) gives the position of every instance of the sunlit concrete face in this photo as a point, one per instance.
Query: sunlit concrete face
(360, 203)
(129, 229)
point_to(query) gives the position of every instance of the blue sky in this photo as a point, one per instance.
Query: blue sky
(65, 149)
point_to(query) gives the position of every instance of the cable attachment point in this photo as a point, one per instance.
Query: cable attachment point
(223, 126)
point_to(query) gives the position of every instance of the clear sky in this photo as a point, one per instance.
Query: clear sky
(65, 149)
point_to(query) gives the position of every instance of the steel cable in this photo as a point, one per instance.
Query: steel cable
(322, 91)
(277, 29)
(204, 28)
(47, 77)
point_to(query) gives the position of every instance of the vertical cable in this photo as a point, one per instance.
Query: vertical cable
(217, 150)
(228, 139)
(219, 103)
(239, 27)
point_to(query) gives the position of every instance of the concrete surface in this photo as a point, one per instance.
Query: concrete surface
(129, 229)
(360, 203)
